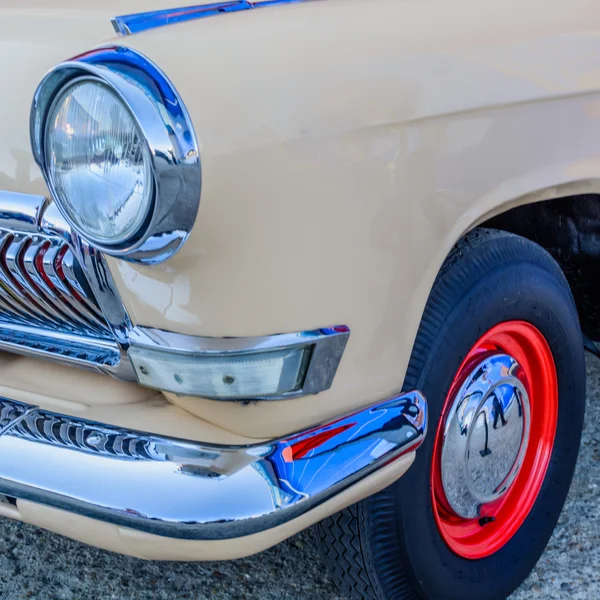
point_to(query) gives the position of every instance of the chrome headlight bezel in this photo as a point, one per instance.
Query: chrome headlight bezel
(164, 122)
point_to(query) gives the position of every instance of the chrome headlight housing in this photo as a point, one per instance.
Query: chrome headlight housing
(118, 152)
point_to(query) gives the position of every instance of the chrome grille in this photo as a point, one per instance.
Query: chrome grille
(42, 285)
(70, 432)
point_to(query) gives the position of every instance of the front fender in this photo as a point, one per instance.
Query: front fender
(345, 147)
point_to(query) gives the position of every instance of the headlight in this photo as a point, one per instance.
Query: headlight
(118, 152)
(98, 162)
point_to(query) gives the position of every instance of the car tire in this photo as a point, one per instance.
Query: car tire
(406, 542)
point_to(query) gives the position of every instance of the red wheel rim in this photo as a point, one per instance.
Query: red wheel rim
(481, 537)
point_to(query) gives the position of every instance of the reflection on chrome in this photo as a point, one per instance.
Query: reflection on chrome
(41, 281)
(165, 124)
(485, 436)
(138, 22)
(50, 305)
(185, 489)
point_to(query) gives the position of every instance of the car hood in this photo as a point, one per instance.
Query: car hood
(74, 18)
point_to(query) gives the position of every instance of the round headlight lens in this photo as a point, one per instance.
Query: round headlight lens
(98, 162)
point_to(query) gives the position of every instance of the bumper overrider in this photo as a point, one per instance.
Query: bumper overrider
(187, 490)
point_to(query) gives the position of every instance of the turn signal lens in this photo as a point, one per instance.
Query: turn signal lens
(226, 376)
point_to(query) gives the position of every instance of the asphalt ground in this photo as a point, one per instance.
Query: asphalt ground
(35, 564)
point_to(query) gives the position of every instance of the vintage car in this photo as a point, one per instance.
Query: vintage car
(259, 259)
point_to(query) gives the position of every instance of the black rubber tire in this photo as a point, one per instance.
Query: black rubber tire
(388, 547)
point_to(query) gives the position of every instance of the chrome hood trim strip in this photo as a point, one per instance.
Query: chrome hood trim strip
(138, 22)
(189, 490)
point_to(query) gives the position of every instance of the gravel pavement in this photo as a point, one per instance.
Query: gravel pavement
(35, 564)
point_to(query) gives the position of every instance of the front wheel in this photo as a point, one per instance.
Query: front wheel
(499, 356)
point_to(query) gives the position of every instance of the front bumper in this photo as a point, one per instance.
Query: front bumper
(187, 490)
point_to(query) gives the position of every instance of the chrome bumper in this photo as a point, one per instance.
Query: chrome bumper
(189, 490)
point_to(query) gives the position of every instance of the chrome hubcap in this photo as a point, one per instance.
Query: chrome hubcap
(485, 436)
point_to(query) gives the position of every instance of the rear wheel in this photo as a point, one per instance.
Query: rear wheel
(499, 356)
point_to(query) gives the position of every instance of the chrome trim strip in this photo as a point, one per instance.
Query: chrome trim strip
(72, 349)
(325, 346)
(188, 344)
(138, 22)
(189, 490)
(167, 128)
(21, 211)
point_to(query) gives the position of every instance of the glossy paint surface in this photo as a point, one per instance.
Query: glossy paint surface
(346, 145)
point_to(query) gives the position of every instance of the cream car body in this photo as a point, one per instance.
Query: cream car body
(346, 145)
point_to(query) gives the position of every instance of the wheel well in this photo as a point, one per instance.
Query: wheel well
(569, 229)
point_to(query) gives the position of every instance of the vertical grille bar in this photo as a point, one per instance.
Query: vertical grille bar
(11, 293)
(14, 262)
(41, 285)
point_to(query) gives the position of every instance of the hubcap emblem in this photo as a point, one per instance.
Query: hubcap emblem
(485, 436)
